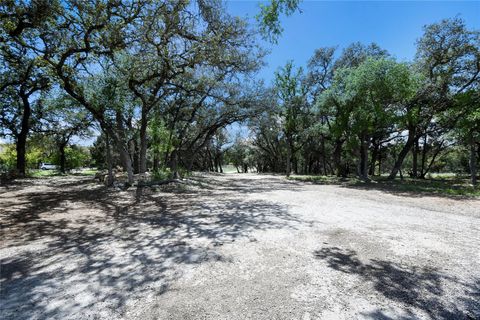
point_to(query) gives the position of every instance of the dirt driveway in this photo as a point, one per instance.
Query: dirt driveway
(238, 246)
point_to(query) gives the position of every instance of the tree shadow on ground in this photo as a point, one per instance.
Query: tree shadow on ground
(416, 288)
(265, 183)
(451, 189)
(455, 189)
(77, 248)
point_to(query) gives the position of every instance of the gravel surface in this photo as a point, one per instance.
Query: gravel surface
(235, 246)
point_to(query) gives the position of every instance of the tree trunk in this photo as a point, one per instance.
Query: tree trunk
(109, 161)
(473, 161)
(21, 146)
(21, 151)
(427, 169)
(220, 158)
(174, 165)
(127, 164)
(371, 170)
(123, 149)
(415, 159)
(424, 157)
(143, 143)
(62, 158)
(324, 157)
(337, 156)
(295, 164)
(134, 155)
(156, 161)
(403, 153)
(289, 160)
(363, 158)
(379, 161)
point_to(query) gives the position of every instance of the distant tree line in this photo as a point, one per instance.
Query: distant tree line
(160, 81)
(361, 112)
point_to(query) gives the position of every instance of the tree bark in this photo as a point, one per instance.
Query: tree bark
(109, 161)
(427, 169)
(424, 157)
(123, 149)
(324, 157)
(373, 161)
(134, 155)
(174, 165)
(364, 158)
(473, 161)
(21, 146)
(415, 159)
(337, 156)
(143, 143)
(156, 161)
(289, 159)
(379, 161)
(62, 158)
(403, 153)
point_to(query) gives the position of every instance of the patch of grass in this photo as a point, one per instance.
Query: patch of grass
(43, 173)
(37, 173)
(324, 179)
(451, 186)
(441, 185)
(161, 174)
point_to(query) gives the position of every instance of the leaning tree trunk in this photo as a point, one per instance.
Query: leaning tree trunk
(425, 149)
(21, 146)
(432, 161)
(473, 161)
(403, 153)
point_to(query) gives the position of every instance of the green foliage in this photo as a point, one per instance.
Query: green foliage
(240, 154)
(36, 173)
(162, 174)
(8, 157)
(162, 139)
(36, 154)
(39, 152)
(77, 157)
(163, 79)
(269, 17)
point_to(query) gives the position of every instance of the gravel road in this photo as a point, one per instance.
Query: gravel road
(235, 246)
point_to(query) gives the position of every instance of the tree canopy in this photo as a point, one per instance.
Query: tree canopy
(160, 82)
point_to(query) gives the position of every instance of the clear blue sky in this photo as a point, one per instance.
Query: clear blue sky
(394, 26)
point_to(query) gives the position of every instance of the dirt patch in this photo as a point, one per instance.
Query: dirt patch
(236, 246)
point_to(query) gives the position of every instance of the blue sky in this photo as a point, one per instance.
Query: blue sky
(393, 25)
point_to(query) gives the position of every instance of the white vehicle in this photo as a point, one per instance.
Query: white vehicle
(48, 166)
